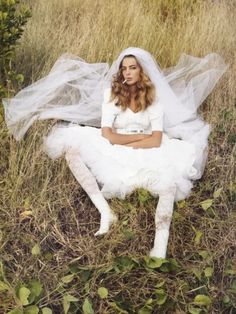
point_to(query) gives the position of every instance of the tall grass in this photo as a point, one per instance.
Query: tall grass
(42, 206)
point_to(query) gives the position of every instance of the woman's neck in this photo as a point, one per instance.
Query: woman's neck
(133, 90)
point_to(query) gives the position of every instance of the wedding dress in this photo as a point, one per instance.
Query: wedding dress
(79, 92)
(120, 169)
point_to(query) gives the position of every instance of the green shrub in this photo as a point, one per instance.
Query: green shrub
(13, 18)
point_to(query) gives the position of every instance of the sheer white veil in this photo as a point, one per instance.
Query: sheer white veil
(74, 91)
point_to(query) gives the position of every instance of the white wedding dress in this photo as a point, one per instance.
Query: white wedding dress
(120, 169)
(76, 91)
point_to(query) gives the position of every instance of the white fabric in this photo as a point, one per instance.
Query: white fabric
(120, 169)
(149, 120)
(72, 91)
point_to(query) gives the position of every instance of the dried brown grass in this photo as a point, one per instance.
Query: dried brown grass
(62, 220)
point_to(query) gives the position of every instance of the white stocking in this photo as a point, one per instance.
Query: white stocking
(162, 221)
(89, 184)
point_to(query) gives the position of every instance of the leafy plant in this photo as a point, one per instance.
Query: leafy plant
(12, 21)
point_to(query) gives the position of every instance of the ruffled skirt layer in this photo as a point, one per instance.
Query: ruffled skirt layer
(120, 169)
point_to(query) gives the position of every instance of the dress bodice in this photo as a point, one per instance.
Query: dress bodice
(127, 121)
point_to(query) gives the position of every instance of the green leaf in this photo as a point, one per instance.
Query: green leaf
(66, 305)
(181, 204)
(15, 311)
(149, 301)
(177, 216)
(147, 309)
(143, 196)
(160, 284)
(68, 278)
(197, 272)
(161, 296)
(85, 275)
(165, 265)
(208, 271)
(87, 307)
(153, 262)
(233, 286)
(35, 288)
(87, 287)
(32, 309)
(202, 299)
(20, 78)
(48, 256)
(70, 298)
(124, 263)
(226, 299)
(169, 265)
(3, 286)
(117, 308)
(207, 256)
(23, 295)
(46, 310)
(198, 235)
(207, 203)
(230, 268)
(67, 299)
(125, 222)
(36, 250)
(128, 233)
(217, 193)
(194, 310)
(203, 254)
(102, 292)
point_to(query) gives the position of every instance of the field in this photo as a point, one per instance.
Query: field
(50, 261)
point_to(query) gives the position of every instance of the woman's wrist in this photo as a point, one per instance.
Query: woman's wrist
(143, 136)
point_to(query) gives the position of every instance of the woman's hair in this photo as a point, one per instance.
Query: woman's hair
(121, 93)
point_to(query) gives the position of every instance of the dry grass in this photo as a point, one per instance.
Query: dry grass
(42, 204)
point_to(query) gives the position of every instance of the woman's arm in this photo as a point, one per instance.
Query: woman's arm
(153, 140)
(122, 139)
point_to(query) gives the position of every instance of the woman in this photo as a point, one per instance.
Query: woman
(134, 91)
(131, 150)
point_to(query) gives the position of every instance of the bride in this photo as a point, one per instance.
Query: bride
(151, 135)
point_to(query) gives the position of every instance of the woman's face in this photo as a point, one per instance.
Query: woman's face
(130, 70)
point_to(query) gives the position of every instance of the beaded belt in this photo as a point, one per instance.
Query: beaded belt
(131, 131)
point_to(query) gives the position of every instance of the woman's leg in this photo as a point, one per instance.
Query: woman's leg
(89, 184)
(162, 221)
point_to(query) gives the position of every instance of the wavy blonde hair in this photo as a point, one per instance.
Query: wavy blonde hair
(121, 93)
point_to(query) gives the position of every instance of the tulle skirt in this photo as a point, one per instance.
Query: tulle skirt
(120, 169)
